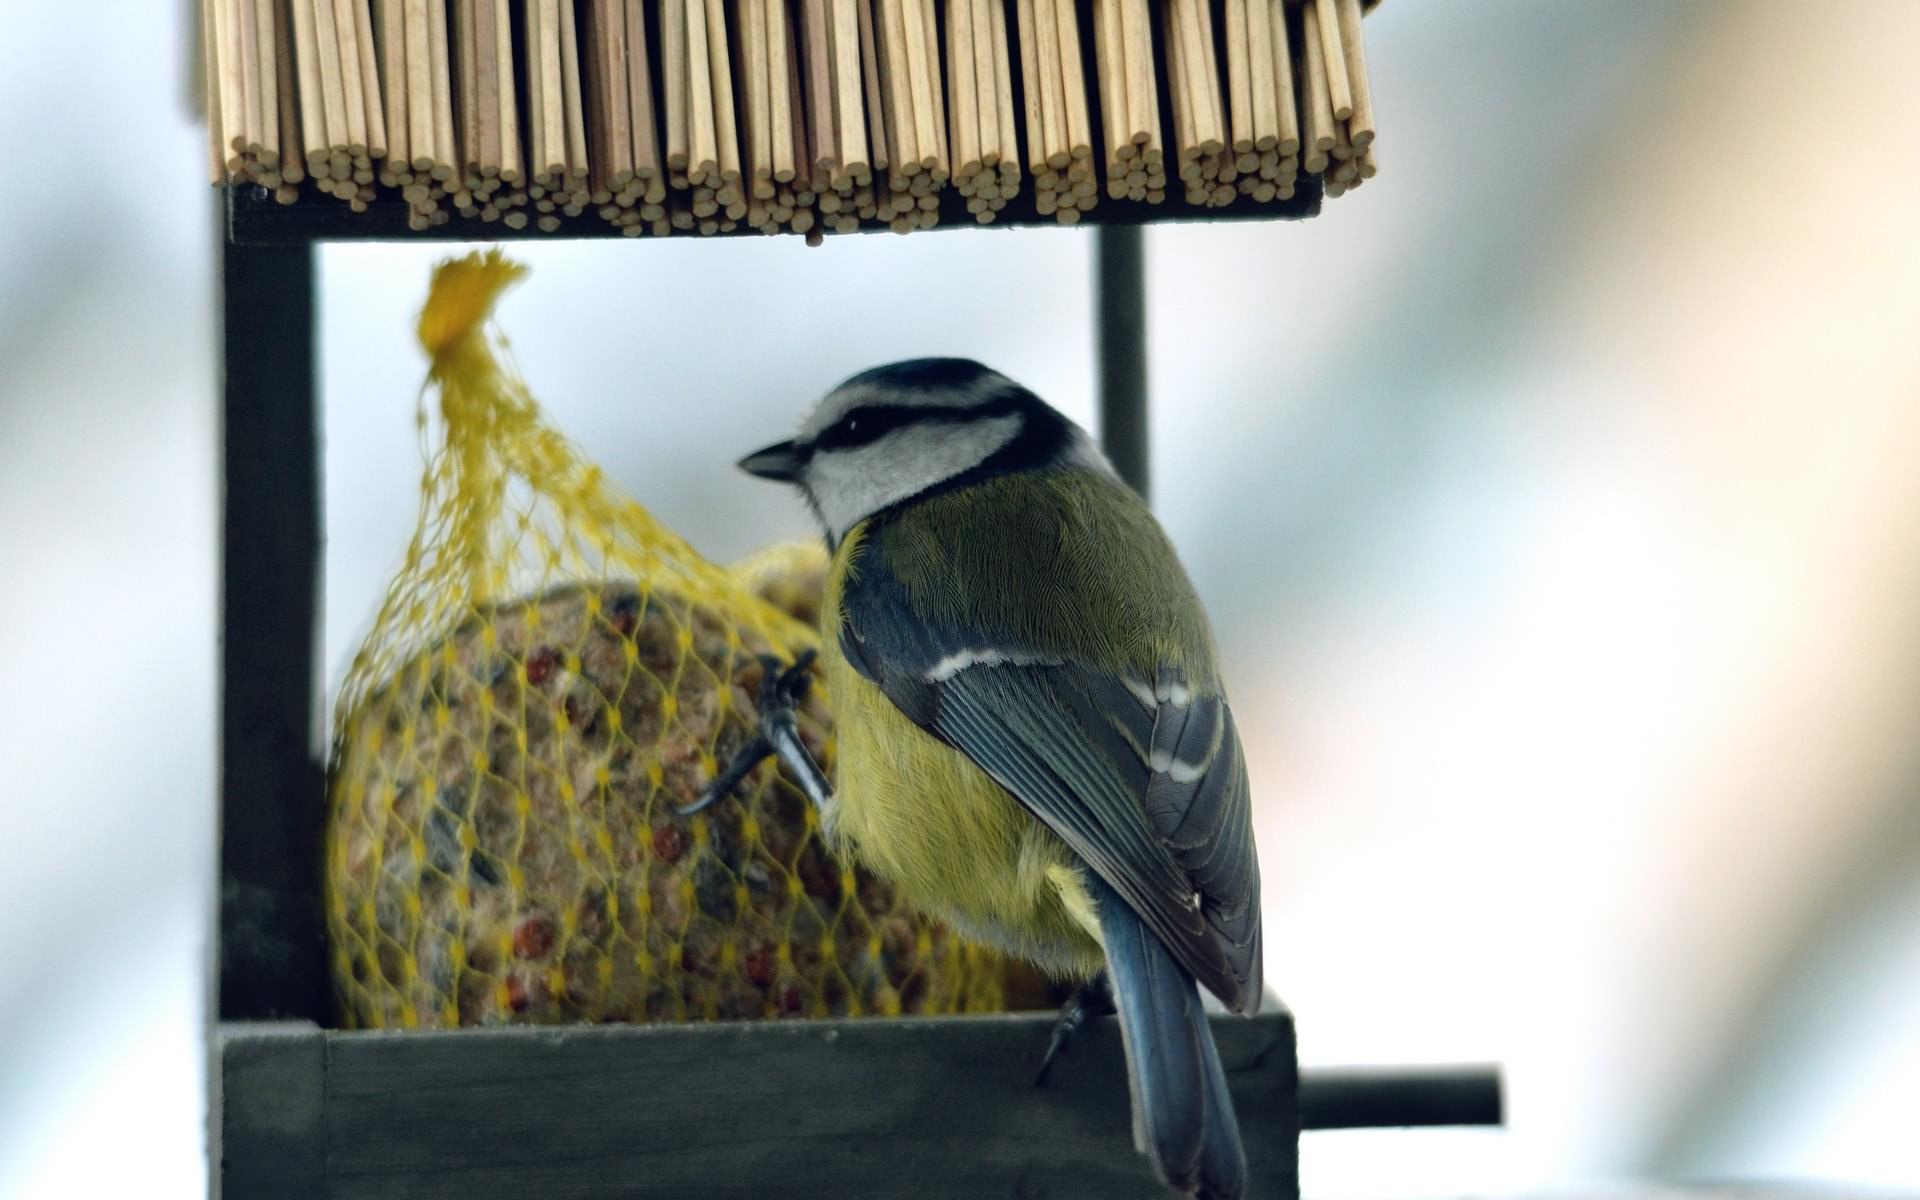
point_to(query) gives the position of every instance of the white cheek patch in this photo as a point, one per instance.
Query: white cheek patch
(852, 484)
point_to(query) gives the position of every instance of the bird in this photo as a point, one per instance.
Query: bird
(1034, 741)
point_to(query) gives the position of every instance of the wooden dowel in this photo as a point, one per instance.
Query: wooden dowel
(273, 85)
(419, 62)
(1193, 76)
(849, 113)
(512, 159)
(1240, 71)
(759, 100)
(1340, 94)
(879, 140)
(1184, 152)
(537, 148)
(779, 94)
(486, 89)
(726, 130)
(1003, 92)
(1030, 85)
(553, 104)
(1143, 100)
(1073, 81)
(292, 159)
(376, 114)
(819, 78)
(986, 103)
(892, 116)
(1053, 110)
(571, 92)
(1111, 20)
(964, 112)
(246, 35)
(797, 106)
(1316, 102)
(212, 93)
(640, 120)
(1216, 138)
(389, 15)
(930, 30)
(466, 84)
(703, 162)
(353, 88)
(332, 84)
(596, 35)
(1285, 95)
(1110, 76)
(908, 155)
(957, 170)
(1354, 53)
(446, 154)
(1153, 151)
(926, 117)
(1260, 80)
(678, 89)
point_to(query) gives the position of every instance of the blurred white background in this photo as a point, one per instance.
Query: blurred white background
(1557, 499)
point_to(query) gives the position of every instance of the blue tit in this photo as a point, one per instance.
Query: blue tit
(1033, 740)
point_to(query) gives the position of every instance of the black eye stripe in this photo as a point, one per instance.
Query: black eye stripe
(871, 422)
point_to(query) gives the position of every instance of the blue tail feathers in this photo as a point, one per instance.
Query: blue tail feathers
(1183, 1118)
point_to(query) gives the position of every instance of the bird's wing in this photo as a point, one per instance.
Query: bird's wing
(1143, 778)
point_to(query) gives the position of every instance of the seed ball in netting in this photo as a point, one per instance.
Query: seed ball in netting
(504, 844)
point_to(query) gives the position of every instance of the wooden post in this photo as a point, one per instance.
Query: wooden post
(271, 955)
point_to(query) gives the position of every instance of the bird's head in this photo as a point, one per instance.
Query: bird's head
(894, 433)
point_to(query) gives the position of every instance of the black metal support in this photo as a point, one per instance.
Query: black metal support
(1120, 340)
(1401, 1097)
(272, 959)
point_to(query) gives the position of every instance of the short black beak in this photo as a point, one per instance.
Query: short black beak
(781, 462)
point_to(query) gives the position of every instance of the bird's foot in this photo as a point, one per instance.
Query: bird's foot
(1094, 998)
(781, 691)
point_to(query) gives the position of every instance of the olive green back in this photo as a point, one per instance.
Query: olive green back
(1066, 560)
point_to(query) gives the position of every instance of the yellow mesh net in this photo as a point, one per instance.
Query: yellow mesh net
(551, 676)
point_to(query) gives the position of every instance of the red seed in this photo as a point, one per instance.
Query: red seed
(669, 844)
(533, 938)
(759, 964)
(516, 994)
(540, 666)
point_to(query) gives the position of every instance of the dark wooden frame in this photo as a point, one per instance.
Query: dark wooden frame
(939, 1107)
(914, 1108)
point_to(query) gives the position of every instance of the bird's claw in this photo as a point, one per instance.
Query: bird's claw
(1094, 998)
(781, 691)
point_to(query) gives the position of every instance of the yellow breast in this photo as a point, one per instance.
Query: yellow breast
(923, 815)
